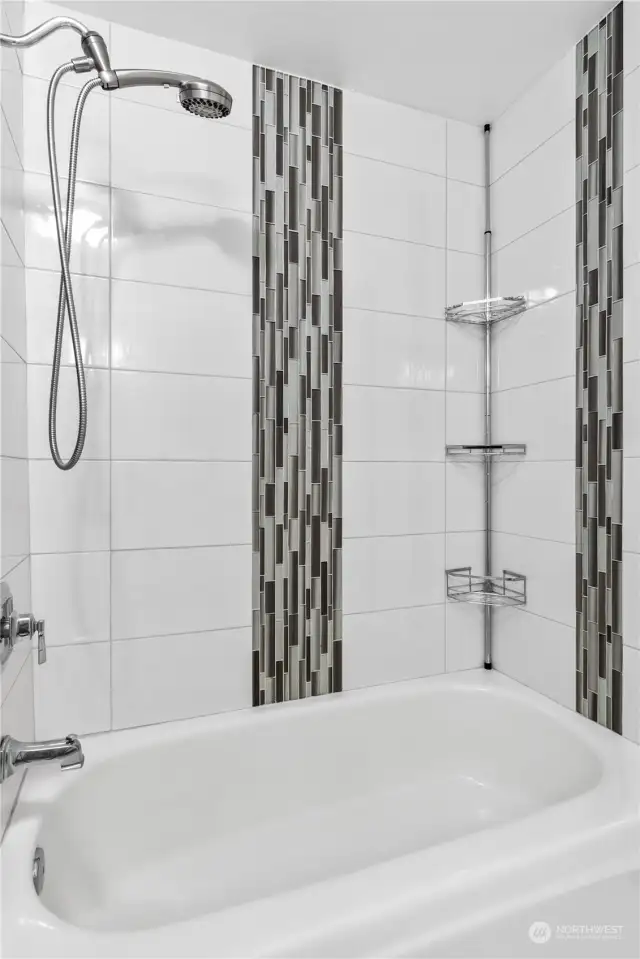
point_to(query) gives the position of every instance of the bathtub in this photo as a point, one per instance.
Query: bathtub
(369, 823)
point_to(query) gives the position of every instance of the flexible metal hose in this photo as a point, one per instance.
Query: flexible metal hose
(66, 303)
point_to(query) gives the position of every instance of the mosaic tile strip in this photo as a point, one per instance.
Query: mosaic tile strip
(599, 82)
(297, 387)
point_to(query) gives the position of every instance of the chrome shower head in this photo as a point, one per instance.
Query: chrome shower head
(201, 97)
(205, 99)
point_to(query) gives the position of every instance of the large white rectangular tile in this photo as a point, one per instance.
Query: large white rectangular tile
(97, 439)
(465, 357)
(9, 256)
(465, 152)
(17, 720)
(631, 234)
(13, 403)
(18, 581)
(390, 201)
(631, 694)
(91, 297)
(131, 47)
(69, 510)
(406, 425)
(630, 599)
(393, 276)
(465, 549)
(42, 59)
(13, 325)
(12, 204)
(411, 138)
(631, 120)
(535, 116)
(392, 645)
(12, 98)
(631, 38)
(386, 349)
(541, 416)
(631, 506)
(535, 499)
(464, 418)
(90, 242)
(520, 347)
(550, 569)
(525, 645)
(14, 508)
(392, 572)
(180, 504)
(211, 336)
(71, 592)
(535, 190)
(192, 675)
(631, 284)
(174, 417)
(164, 591)
(159, 240)
(202, 162)
(465, 277)
(93, 155)
(541, 264)
(9, 156)
(390, 499)
(631, 407)
(464, 637)
(465, 217)
(73, 691)
(464, 496)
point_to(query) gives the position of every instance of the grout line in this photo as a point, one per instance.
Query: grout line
(532, 230)
(393, 609)
(528, 386)
(17, 252)
(13, 140)
(6, 342)
(446, 360)
(538, 146)
(110, 360)
(159, 460)
(547, 619)
(122, 369)
(398, 239)
(7, 692)
(138, 549)
(118, 279)
(415, 535)
(540, 539)
(23, 558)
(132, 639)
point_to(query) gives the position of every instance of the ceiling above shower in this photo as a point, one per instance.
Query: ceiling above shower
(467, 59)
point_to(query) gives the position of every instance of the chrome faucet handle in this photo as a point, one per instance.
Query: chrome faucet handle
(42, 646)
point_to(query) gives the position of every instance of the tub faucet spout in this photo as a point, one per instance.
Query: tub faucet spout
(15, 754)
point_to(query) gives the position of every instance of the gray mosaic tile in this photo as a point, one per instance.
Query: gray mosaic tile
(599, 359)
(297, 387)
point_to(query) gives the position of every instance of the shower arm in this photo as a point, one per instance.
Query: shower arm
(93, 46)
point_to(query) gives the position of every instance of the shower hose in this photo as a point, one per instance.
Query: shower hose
(66, 303)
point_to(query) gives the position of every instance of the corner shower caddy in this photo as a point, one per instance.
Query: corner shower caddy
(464, 586)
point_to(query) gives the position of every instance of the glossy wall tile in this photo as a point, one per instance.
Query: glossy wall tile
(297, 383)
(599, 323)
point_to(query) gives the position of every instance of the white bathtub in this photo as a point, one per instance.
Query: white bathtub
(352, 825)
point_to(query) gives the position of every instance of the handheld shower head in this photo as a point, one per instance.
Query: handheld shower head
(202, 98)
(205, 99)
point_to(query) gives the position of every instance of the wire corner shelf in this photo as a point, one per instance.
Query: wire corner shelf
(488, 310)
(472, 452)
(508, 589)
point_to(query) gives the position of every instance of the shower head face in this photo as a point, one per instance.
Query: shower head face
(203, 98)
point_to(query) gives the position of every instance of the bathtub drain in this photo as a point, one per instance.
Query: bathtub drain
(38, 869)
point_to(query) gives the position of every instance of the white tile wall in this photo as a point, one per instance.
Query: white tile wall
(534, 381)
(413, 219)
(147, 551)
(16, 678)
(141, 556)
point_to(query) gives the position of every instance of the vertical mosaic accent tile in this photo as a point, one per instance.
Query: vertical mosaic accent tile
(297, 387)
(599, 83)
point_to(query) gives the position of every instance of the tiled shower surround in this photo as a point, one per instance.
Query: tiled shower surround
(297, 387)
(599, 321)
